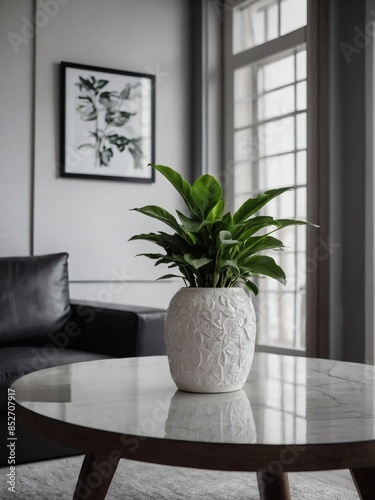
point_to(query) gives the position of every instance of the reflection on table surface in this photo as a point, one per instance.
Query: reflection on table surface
(286, 399)
(211, 418)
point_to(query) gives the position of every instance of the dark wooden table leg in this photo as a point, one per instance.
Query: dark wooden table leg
(95, 476)
(273, 487)
(364, 480)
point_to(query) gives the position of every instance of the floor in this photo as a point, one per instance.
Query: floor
(336, 477)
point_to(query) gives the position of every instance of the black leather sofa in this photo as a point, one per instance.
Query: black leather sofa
(40, 327)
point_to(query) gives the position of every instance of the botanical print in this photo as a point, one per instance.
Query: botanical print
(107, 123)
(106, 109)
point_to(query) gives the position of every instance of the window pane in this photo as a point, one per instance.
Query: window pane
(301, 65)
(276, 137)
(301, 96)
(301, 203)
(301, 168)
(257, 22)
(254, 23)
(276, 74)
(276, 318)
(301, 272)
(287, 260)
(276, 172)
(276, 103)
(272, 22)
(300, 320)
(301, 239)
(267, 311)
(301, 131)
(282, 207)
(293, 15)
(288, 237)
(270, 285)
(243, 97)
(243, 145)
(243, 178)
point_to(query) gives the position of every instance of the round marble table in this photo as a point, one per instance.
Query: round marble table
(293, 414)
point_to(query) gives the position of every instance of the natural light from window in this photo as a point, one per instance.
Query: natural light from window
(270, 144)
(257, 22)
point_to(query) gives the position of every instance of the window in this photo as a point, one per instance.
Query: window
(257, 22)
(267, 144)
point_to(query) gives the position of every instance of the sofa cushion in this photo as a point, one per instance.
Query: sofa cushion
(34, 298)
(17, 361)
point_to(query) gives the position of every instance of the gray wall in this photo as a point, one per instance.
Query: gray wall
(90, 219)
(16, 131)
(348, 180)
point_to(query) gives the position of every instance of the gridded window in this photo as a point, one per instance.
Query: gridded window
(270, 150)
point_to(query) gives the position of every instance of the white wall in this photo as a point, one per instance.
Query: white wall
(90, 219)
(15, 130)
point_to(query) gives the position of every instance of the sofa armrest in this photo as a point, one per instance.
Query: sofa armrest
(117, 330)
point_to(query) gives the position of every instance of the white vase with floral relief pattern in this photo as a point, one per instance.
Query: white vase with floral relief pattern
(210, 339)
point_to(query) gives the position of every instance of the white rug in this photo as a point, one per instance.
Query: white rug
(56, 479)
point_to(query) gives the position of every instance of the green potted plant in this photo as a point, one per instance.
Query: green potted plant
(210, 324)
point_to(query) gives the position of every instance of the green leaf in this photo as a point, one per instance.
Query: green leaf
(152, 237)
(290, 222)
(172, 243)
(154, 256)
(215, 228)
(190, 225)
(160, 214)
(233, 266)
(206, 192)
(252, 287)
(253, 205)
(264, 265)
(217, 211)
(168, 276)
(228, 221)
(180, 184)
(226, 239)
(177, 243)
(258, 244)
(256, 223)
(195, 262)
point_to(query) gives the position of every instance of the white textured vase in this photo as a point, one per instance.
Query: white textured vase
(210, 339)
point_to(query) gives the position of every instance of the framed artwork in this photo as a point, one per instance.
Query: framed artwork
(107, 123)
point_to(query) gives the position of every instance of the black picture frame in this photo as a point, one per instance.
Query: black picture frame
(107, 123)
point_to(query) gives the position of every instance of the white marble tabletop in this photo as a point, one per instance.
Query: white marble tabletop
(286, 400)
